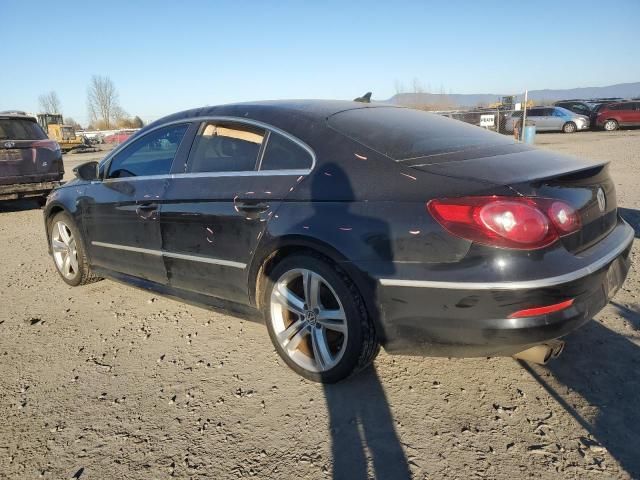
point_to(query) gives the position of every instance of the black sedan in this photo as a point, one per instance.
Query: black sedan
(350, 226)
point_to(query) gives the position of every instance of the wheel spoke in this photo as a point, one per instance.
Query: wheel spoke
(58, 246)
(293, 343)
(66, 265)
(74, 260)
(321, 351)
(64, 234)
(291, 331)
(311, 289)
(289, 300)
(325, 314)
(335, 325)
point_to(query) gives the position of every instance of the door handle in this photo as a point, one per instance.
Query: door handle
(251, 207)
(148, 211)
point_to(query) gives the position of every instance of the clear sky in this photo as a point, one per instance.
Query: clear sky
(165, 56)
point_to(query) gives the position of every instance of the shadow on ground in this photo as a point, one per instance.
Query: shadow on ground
(632, 216)
(603, 367)
(18, 205)
(362, 430)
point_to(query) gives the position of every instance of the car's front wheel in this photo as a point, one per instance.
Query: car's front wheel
(317, 320)
(68, 251)
(610, 125)
(569, 127)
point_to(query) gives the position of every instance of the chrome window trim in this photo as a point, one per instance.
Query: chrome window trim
(165, 253)
(252, 173)
(222, 118)
(514, 285)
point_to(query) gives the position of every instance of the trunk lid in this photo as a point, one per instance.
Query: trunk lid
(583, 184)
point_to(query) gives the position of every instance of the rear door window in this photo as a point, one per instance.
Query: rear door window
(20, 129)
(226, 147)
(151, 154)
(282, 153)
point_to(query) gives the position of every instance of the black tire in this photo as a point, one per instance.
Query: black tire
(610, 125)
(83, 275)
(362, 344)
(569, 127)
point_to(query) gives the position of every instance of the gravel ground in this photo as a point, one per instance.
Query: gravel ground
(109, 382)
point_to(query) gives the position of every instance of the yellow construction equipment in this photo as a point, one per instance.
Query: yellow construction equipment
(65, 135)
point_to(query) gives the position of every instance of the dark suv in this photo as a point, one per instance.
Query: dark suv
(575, 106)
(30, 163)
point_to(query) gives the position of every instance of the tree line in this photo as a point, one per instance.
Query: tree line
(103, 106)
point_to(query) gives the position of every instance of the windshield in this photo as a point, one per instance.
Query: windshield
(20, 129)
(403, 133)
(68, 133)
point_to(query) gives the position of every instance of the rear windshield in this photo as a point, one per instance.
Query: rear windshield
(403, 133)
(20, 129)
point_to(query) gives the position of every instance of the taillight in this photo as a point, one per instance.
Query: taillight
(48, 144)
(525, 223)
(563, 216)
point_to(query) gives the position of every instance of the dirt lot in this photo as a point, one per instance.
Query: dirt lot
(109, 382)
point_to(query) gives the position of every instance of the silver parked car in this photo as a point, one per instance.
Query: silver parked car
(549, 119)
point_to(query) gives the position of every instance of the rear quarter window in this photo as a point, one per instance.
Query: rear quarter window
(20, 129)
(403, 133)
(284, 154)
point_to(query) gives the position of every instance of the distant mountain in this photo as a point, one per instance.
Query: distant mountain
(624, 90)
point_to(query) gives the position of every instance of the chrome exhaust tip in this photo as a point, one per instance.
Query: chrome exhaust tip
(542, 353)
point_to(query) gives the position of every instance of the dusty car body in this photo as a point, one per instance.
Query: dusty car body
(350, 227)
(30, 163)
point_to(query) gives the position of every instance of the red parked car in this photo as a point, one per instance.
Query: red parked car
(620, 114)
(119, 137)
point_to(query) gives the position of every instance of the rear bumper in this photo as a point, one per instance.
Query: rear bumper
(21, 190)
(471, 319)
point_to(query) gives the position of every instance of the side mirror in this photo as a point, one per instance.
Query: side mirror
(87, 171)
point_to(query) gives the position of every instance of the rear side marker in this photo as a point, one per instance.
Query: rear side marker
(536, 311)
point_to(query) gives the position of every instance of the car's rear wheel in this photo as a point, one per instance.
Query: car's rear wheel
(68, 251)
(610, 125)
(317, 320)
(569, 127)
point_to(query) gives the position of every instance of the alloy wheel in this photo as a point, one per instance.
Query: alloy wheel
(65, 253)
(610, 125)
(309, 320)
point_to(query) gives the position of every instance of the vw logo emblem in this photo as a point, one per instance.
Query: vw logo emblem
(602, 201)
(9, 144)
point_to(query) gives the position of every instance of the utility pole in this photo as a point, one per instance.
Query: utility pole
(524, 114)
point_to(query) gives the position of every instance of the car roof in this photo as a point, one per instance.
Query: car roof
(308, 109)
(620, 102)
(16, 114)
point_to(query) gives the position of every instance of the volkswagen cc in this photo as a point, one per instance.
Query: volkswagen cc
(348, 227)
